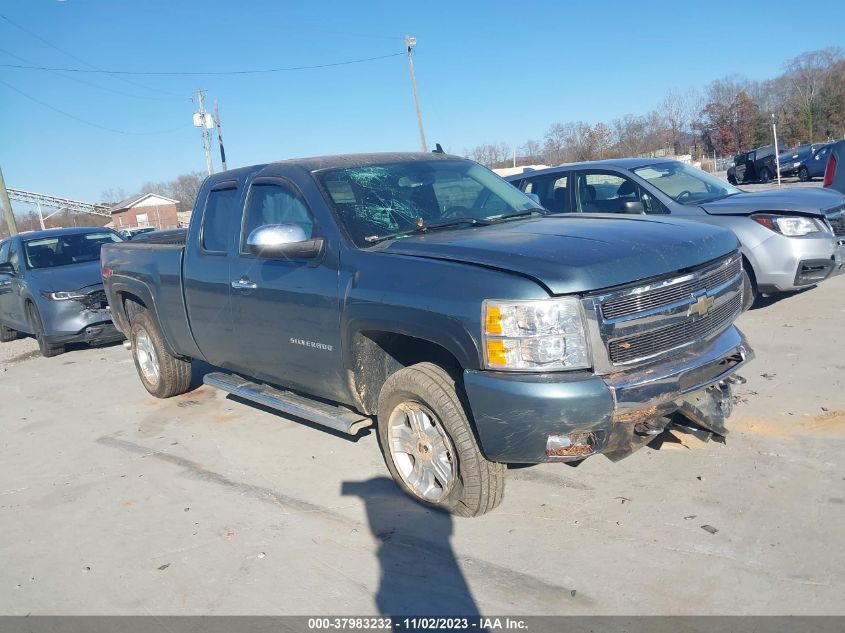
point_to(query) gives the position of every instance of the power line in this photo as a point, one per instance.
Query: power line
(89, 83)
(204, 72)
(81, 120)
(82, 61)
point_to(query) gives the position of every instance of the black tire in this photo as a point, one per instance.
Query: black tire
(804, 174)
(479, 484)
(765, 175)
(749, 289)
(7, 335)
(732, 179)
(174, 374)
(48, 350)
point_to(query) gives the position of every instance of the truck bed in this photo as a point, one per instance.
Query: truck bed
(150, 269)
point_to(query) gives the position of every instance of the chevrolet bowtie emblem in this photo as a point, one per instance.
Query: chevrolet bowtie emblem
(701, 305)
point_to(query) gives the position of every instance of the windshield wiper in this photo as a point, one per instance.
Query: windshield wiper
(518, 214)
(422, 228)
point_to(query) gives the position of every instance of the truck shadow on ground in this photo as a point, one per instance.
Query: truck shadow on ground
(420, 574)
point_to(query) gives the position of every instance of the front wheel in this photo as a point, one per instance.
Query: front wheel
(803, 174)
(429, 446)
(47, 350)
(749, 290)
(732, 179)
(162, 374)
(765, 175)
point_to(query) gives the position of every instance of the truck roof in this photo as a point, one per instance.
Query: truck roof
(334, 161)
(75, 230)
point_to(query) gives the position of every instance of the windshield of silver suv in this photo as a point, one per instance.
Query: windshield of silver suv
(377, 202)
(685, 184)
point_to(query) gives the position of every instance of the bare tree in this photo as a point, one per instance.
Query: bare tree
(678, 109)
(808, 72)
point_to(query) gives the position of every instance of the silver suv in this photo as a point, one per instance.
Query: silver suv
(790, 239)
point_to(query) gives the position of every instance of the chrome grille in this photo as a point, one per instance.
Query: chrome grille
(647, 344)
(647, 322)
(650, 299)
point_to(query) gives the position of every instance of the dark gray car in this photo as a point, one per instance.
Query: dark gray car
(51, 287)
(790, 238)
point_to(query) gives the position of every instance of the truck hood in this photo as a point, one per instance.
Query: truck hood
(806, 201)
(67, 278)
(576, 253)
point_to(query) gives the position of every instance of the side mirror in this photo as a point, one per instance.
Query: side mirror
(534, 198)
(633, 207)
(283, 241)
(7, 268)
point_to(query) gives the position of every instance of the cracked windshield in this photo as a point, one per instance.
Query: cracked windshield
(376, 202)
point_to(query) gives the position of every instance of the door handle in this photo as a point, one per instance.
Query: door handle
(244, 284)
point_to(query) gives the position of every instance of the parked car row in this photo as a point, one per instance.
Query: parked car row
(422, 294)
(805, 161)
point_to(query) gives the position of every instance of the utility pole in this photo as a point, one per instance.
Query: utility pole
(219, 135)
(777, 154)
(410, 43)
(7, 206)
(202, 119)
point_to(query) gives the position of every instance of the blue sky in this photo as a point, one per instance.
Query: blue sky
(487, 72)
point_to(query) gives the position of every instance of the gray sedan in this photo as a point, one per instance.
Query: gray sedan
(51, 287)
(789, 239)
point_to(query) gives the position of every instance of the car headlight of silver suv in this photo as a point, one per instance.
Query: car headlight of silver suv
(541, 335)
(791, 225)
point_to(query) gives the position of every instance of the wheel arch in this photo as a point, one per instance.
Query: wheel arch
(375, 354)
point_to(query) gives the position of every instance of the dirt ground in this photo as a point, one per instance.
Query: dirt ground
(112, 502)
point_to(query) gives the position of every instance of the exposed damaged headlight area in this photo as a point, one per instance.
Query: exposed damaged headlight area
(92, 300)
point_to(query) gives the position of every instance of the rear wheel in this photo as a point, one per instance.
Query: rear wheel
(162, 374)
(803, 174)
(749, 289)
(765, 175)
(37, 326)
(429, 446)
(7, 335)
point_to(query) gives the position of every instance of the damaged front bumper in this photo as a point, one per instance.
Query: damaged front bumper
(566, 417)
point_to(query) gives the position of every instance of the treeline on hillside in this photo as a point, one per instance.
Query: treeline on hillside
(730, 115)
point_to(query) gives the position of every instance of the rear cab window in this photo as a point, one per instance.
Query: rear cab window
(221, 204)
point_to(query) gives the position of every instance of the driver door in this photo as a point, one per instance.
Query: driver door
(286, 312)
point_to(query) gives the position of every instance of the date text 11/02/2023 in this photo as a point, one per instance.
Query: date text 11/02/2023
(417, 623)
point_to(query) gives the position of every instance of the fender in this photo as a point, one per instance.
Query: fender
(120, 284)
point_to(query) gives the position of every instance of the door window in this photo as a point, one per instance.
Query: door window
(217, 218)
(275, 204)
(602, 192)
(552, 190)
(14, 258)
(4, 252)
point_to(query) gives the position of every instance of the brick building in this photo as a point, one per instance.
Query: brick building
(146, 209)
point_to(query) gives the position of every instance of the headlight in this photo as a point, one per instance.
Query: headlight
(544, 335)
(63, 296)
(791, 225)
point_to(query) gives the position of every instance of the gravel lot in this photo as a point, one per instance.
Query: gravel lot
(112, 502)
